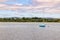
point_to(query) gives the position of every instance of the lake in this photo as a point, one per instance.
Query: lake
(29, 31)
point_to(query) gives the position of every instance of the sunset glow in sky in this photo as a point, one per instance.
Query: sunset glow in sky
(30, 8)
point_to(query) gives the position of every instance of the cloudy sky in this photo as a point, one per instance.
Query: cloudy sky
(30, 8)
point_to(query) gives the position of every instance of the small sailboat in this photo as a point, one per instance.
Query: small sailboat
(42, 25)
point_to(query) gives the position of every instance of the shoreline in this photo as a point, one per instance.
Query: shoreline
(29, 22)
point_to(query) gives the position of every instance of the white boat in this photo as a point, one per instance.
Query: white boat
(42, 25)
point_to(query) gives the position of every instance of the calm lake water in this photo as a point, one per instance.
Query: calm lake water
(29, 31)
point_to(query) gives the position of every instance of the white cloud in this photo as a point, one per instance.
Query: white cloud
(20, 4)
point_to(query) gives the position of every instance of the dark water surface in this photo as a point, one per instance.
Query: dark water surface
(29, 31)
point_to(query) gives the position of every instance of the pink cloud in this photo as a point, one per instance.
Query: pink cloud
(47, 5)
(52, 11)
(40, 6)
(46, 0)
(3, 0)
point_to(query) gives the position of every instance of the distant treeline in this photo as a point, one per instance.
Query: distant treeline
(33, 19)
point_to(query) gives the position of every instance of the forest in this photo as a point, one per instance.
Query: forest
(25, 19)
